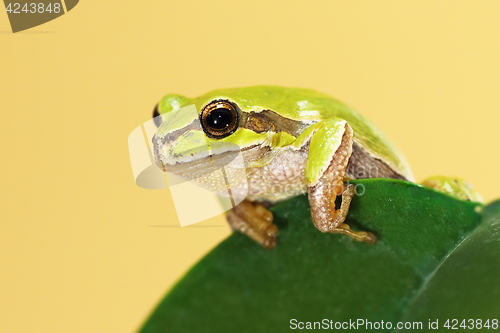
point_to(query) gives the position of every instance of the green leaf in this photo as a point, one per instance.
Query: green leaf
(430, 262)
(466, 285)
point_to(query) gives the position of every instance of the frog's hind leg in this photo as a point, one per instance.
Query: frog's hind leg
(454, 186)
(323, 193)
(255, 221)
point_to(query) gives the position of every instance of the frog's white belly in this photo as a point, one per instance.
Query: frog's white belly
(283, 178)
(280, 179)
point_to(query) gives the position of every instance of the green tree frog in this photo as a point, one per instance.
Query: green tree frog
(296, 140)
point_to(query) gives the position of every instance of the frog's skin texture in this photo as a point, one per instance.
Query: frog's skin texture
(298, 140)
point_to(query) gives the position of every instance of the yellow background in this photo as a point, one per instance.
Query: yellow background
(80, 245)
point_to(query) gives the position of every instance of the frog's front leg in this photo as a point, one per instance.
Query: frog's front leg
(255, 221)
(329, 152)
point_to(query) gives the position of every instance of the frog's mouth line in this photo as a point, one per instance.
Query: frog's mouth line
(208, 164)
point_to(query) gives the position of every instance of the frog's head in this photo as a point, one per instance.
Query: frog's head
(214, 128)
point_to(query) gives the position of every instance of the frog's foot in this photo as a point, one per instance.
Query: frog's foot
(328, 219)
(255, 221)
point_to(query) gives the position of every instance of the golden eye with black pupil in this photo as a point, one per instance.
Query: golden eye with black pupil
(219, 119)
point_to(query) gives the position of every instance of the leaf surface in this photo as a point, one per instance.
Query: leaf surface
(424, 266)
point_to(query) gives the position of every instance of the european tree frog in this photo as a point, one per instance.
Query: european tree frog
(294, 139)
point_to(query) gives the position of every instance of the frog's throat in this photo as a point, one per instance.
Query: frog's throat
(205, 165)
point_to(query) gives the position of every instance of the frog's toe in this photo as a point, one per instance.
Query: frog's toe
(360, 236)
(255, 221)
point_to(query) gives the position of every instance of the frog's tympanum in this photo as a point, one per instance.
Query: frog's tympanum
(293, 141)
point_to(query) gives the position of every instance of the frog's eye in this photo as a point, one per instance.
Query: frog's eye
(219, 119)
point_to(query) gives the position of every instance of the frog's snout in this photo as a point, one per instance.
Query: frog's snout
(171, 151)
